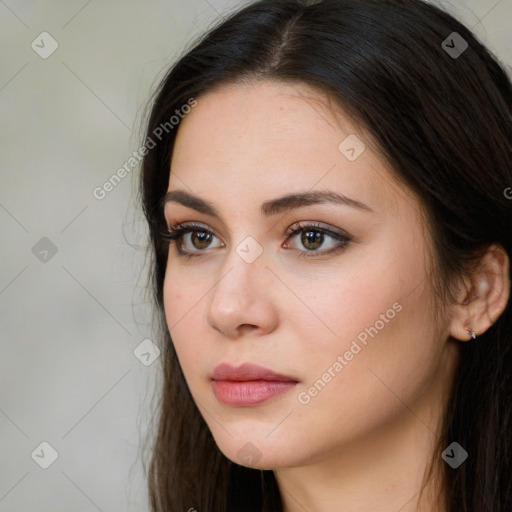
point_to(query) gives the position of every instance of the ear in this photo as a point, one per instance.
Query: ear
(485, 296)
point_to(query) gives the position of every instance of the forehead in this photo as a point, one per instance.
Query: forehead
(245, 143)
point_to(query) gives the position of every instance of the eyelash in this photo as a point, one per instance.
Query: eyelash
(176, 234)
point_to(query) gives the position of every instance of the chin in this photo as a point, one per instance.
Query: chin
(257, 452)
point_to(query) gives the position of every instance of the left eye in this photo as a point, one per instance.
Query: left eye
(312, 236)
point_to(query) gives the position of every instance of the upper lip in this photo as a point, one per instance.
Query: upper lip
(247, 371)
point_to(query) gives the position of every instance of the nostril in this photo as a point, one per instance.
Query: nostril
(247, 327)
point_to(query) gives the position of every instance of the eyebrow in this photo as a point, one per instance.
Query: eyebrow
(268, 208)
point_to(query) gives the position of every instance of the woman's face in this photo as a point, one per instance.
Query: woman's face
(349, 323)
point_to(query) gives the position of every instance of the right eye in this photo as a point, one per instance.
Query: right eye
(200, 239)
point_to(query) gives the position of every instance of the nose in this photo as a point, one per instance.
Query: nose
(243, 298)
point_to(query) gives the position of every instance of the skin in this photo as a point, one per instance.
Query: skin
(367, 437)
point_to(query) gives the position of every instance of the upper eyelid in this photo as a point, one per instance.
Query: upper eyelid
(190, 226)
(178, 224)
(186, 224)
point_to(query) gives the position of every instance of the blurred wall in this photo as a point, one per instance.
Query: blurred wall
(76, 376)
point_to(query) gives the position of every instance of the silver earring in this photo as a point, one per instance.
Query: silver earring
(470, 330)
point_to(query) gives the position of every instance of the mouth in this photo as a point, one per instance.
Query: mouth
(248, 385)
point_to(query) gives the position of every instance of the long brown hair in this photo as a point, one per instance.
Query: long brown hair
(443, 121)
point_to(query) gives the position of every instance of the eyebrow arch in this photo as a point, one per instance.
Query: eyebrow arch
(268, 208)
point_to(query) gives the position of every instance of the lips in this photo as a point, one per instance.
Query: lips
(247, 372)
(248, 385)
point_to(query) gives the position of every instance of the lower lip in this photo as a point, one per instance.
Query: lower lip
(249, 392)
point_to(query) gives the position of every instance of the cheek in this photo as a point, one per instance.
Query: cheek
(182, 292)
(367, 337)
(182, 306)
(354, 301)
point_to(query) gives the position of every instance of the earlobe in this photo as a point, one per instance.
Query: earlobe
(486, 296)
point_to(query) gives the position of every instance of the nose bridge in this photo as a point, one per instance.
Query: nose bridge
(244, 266)
(238, 297)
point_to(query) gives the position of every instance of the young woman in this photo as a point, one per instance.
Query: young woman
(328, 191)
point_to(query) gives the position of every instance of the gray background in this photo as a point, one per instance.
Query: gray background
(70, 321)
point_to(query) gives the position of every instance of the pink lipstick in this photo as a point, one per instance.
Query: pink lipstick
(248, 384)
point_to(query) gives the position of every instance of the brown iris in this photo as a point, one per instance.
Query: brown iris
(202, 237)
(312, 237)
